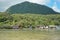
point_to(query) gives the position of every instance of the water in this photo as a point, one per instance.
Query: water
(12, 34)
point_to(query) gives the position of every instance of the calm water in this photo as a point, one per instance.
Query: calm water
(14, 34)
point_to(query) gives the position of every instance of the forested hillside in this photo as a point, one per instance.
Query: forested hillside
(24, 20)
(28, 7)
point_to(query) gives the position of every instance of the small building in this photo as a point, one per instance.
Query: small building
(15, 27)
(46, 27)
(40, 27)
(52, 26)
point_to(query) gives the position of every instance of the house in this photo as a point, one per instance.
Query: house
(15, 27)
(52, 26)
(40, 27)
(46, 27)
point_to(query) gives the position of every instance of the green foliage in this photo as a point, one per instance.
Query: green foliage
(36, 19)
(5, 18)
(25, 20)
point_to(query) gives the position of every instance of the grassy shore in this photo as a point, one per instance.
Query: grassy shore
(7, 34)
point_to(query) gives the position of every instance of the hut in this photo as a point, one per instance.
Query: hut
(15, 27)
(52, 27)
(40, 27)
(46, 27)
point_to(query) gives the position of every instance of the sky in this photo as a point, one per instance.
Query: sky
(54, 4)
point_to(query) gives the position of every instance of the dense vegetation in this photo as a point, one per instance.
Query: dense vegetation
(28, 7)
(25, 20)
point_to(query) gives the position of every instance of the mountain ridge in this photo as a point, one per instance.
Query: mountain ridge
(28, 7)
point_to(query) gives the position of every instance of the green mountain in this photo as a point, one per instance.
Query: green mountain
(28, 7)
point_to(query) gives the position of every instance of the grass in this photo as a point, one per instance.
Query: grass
(8, 34)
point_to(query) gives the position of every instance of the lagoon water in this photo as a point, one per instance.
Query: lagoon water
(12, 34)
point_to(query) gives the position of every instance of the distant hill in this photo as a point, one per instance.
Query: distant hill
(28, 7)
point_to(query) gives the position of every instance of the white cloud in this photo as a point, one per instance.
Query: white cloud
(55, 8)
(4, 4)
(34, 1)
(43, 2)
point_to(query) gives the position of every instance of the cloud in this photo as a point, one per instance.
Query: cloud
(34, 1)
(4, 4)
(39, 1)
(55, 8)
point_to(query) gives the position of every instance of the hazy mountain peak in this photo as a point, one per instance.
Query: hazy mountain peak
(28, 7)
(26, 2)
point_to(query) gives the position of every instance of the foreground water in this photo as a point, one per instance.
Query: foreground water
(14, 34)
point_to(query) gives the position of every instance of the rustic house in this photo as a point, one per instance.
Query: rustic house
(52, 27)
(15, 27)
(42, 27)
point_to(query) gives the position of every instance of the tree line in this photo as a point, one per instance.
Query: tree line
(25, 20)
